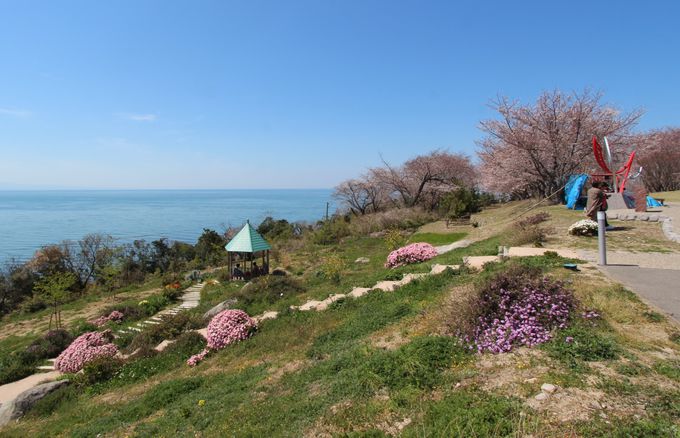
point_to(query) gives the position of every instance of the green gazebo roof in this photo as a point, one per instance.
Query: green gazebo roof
(247, 240)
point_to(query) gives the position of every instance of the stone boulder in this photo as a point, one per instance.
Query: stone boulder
(362, 260)
(224, 305)
(281, 272)
(15, 409)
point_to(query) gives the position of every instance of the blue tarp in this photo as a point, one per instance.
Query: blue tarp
(572, 191)
(651, 202)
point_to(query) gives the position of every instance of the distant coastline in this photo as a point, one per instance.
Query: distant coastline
(30, 219)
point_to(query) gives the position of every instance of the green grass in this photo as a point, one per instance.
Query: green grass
(323, 373)
(437, 239)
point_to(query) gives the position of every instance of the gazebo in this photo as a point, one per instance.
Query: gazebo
(247, 247)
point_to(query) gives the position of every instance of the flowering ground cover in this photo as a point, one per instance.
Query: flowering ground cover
(227, 327)
(84, 349)
(413, 253)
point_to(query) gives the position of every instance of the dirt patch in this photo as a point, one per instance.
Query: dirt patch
(289, 367)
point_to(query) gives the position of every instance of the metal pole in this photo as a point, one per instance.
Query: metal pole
(601, 240)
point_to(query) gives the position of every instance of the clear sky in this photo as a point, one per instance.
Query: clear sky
(298, 94)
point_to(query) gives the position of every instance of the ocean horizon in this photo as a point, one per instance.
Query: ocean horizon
(30, 219)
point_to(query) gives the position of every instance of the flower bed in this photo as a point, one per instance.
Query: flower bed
(226, 328)
(585, 227)
(413, 253)
(84, 349)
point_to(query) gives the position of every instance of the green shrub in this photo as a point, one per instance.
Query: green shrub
(332, 268)
(461, 203)
(331, 231)
(19, 364)
(669, 368)
(34, 304)
(269, 289)
(100, 370)
(394, 239)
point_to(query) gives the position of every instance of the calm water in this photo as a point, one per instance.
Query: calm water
(30, 219)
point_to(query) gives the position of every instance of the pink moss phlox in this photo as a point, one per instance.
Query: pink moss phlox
(413, 253)
(226, 328)
(84, 349)
(115, 316)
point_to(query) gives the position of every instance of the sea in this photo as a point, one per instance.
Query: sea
(31, 219)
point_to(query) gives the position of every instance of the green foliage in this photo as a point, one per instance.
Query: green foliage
(654, 316)
(100, 370)
(587, 345)
(419, 363)
(268, 289)
(54, 290)
(469, 414)
(332, 268)
(170, 327)
(632, 369)
(394, 239)
(19, 364)
(331, 231)
(209, 248)
(463, 202)
(280, 229)
(174, 356)
(668, 368)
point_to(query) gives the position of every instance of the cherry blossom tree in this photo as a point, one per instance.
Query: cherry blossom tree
(532, 149)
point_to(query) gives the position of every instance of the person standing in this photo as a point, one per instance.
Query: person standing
(597, 200)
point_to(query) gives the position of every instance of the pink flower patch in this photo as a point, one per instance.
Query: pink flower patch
(226, 328)
(113, 316)
(84, 349)
(413, 253)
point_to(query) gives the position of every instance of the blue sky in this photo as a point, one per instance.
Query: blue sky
(298, 94)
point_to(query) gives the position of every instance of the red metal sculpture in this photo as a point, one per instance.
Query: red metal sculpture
(621, 176)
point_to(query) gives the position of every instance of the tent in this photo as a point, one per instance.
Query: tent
(572, 191)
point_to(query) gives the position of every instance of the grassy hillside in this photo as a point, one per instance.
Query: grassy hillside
(389, 364)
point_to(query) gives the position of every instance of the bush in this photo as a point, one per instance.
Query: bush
(331, 231)
(269, 289)
(84, 349)
(100, 369)
(413, 253)
(332, 268)
(394, 239)
(514, 307)
(461, 203)
(397, 219)
(50, 345)
(34, 304)
(528, 231)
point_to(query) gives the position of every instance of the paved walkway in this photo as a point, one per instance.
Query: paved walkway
(11, 390)
(660, 287)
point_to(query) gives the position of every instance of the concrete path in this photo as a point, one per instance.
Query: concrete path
(9, 391)
(451, 246)
(660, 287)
